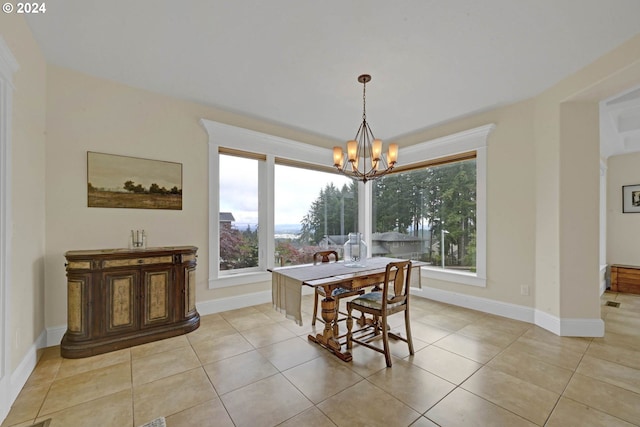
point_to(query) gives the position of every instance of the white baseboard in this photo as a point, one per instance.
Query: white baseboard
(581, 328)
(603, 278)
(55, 334)
(232, 303)
(547, 321)
(20, 376)
(561, 327)
(512, 311)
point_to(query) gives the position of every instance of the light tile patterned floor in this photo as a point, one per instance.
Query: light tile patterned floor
(252, 367)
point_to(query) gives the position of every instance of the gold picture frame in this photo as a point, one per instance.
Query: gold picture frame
(115, 181)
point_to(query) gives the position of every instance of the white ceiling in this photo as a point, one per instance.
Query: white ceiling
(620, 124)
(296, 62)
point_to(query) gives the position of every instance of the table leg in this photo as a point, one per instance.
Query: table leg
(329, 337)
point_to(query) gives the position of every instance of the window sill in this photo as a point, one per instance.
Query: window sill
(240, 279)
(461, 277)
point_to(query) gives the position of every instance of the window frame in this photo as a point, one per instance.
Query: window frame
(261, 160)
(280, 150)
(475, 140)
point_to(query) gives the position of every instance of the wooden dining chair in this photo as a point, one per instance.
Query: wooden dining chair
(324, 257)
(392, 299)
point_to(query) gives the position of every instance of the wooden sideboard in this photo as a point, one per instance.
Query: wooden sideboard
(118, 298)
(625, 278)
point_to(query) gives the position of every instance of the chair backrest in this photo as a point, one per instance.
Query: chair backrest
(324, 256)
(397, 279)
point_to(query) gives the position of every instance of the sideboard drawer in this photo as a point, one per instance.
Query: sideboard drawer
(137, 261)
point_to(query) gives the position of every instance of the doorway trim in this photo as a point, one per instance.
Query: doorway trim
(8, 66)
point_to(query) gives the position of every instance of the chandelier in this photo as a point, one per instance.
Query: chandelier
(364, 160)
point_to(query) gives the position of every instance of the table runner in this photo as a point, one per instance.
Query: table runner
(286, 282)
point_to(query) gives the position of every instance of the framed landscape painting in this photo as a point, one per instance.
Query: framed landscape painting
(130, 182)
(631, 198)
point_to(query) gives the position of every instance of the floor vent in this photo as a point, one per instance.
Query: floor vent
(612, 304)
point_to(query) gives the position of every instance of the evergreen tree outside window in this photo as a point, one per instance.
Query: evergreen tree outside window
(418, 213)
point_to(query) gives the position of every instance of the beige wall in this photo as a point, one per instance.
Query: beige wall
(26, 287)
(579, 210)
(623, 230)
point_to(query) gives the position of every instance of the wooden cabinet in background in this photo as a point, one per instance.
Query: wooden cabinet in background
(118, 298)
(625, 278)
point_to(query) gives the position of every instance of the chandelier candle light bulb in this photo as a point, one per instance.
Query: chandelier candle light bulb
(392, 157)
(366, 147)
(352, 150)
(376, 150)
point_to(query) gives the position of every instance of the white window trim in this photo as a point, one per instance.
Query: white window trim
(224, 135)
(471, 140)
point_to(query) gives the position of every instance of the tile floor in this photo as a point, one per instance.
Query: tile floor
(252, 367)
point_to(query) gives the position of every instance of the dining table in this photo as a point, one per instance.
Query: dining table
(287, 283)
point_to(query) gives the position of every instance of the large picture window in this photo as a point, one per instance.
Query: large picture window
(314, 210)
(428, 214)
(274, 202)
(238, 216)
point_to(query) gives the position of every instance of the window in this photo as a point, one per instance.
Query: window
(427, 214)
(239, 223)
(314, 210)
(294, 203)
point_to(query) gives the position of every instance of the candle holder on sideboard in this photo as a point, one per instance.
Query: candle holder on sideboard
(138, 239)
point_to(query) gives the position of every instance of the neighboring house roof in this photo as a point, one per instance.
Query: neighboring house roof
(378, 249)
(226, 217)
(394, 236)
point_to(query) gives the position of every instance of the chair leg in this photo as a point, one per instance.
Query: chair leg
(349, 326)
(385, 341)
(408, 328)
(336, 328)
(315, 308)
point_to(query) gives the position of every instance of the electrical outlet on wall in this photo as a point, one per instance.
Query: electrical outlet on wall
(524, 290)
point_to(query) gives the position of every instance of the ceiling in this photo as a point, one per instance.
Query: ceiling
(620, 124)
(296, 62)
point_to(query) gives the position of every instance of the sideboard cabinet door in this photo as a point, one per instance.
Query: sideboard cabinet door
(157, 297)
(79, 306)
(190, 291)
(121, 301)
(118, 298)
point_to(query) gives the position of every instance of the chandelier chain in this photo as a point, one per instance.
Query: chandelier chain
(364, 101)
